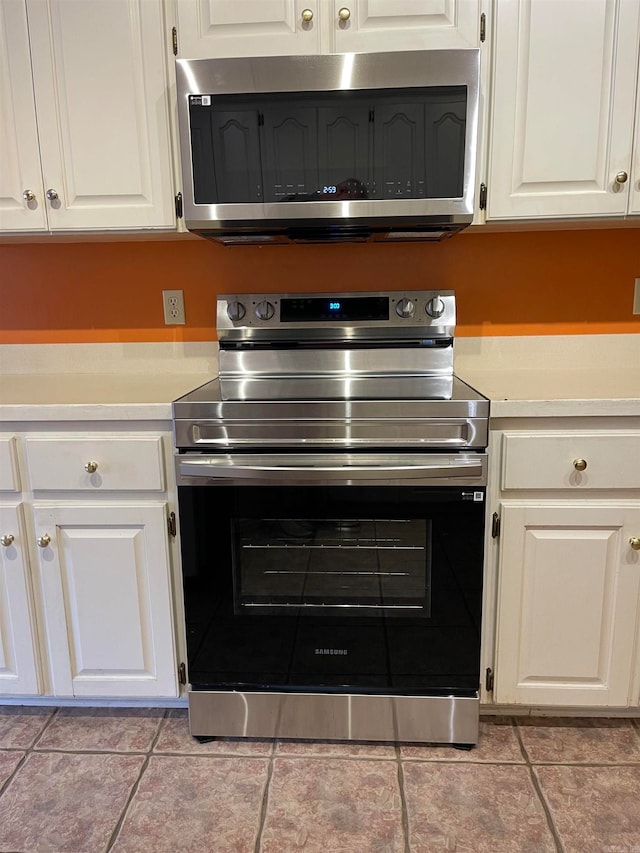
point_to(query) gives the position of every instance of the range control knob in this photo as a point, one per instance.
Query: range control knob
(435, 307)
(236, 311)
(405, 308)
(265, 310)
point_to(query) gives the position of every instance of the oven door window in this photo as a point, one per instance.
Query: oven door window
(358, 567)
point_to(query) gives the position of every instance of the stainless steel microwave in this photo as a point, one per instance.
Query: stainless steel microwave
(341, 147)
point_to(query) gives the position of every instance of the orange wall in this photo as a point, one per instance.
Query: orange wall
(558, 282)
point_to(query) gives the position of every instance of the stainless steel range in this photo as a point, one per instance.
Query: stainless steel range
(331, 490)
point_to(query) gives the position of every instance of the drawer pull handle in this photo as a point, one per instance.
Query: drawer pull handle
(7, 540)
(91, 467)
(580, 464)
(634, 542)
(43, 541)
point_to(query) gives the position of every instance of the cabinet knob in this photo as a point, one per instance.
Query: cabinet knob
(91, 467)
(29, 195)
(307, 15)
(7, 540)
(344, 14)
(621, 178)
(634, 542)
(52, 195)
(43, 541)
(580, 464)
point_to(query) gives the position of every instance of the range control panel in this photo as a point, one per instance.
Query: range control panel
(417, 309)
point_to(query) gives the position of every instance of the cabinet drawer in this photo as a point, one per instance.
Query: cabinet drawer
(121, 464)
(548, 460)
(9, 480)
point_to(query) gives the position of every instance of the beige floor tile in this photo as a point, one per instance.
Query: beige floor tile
(594, 809)
(484, 808)
(335, 749)
(175, 738)
(8, 762)
(497, 742)
(196, 805)
(20, 726)
(102, 729)
(326, 804)
(570, 740)
(60, 802)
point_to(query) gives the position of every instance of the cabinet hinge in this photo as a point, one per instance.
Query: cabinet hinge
(483, 197)
(182, 674)
(179, 205)
(171, 524)
(174, 40)
(488, 680)
(483, 27)
(495, 526)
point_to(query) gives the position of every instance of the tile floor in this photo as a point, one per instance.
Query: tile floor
(130, 780)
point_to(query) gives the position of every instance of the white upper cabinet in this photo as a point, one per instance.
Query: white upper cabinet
(20, 173)
(563, 106)
(100, 89)
(221, 28)
(378, 25)
(634, 200)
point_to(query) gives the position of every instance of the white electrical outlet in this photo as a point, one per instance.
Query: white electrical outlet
(173, 301)
(636, 297)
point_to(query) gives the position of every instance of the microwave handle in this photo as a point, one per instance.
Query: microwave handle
(214, 469)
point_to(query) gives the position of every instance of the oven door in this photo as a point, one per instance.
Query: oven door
(333, 573)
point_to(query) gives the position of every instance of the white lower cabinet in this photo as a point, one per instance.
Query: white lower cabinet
(569, 591)
(86, 576)
(565, 564)
(105, 579)
(18, 644)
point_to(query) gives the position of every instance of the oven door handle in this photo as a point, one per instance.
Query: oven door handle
(219, 469)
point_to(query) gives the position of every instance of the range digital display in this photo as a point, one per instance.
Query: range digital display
(313, 308)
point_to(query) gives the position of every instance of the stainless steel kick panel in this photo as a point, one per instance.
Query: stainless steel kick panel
(321, 716)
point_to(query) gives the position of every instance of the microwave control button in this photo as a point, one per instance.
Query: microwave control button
(435, 307)
(236, 311)
(265, 310)
(405, 308)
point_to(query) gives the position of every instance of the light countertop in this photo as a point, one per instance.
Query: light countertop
(93, 396)
(512, 392)
(552, 376)
(561, 392)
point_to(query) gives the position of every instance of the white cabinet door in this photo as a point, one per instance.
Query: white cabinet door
(379, 25)
(20, 170)
(634, 200)
(219, 28)
(99, 73)
(568, 604)
(562, 107)
(106, 592)
(18, 668)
